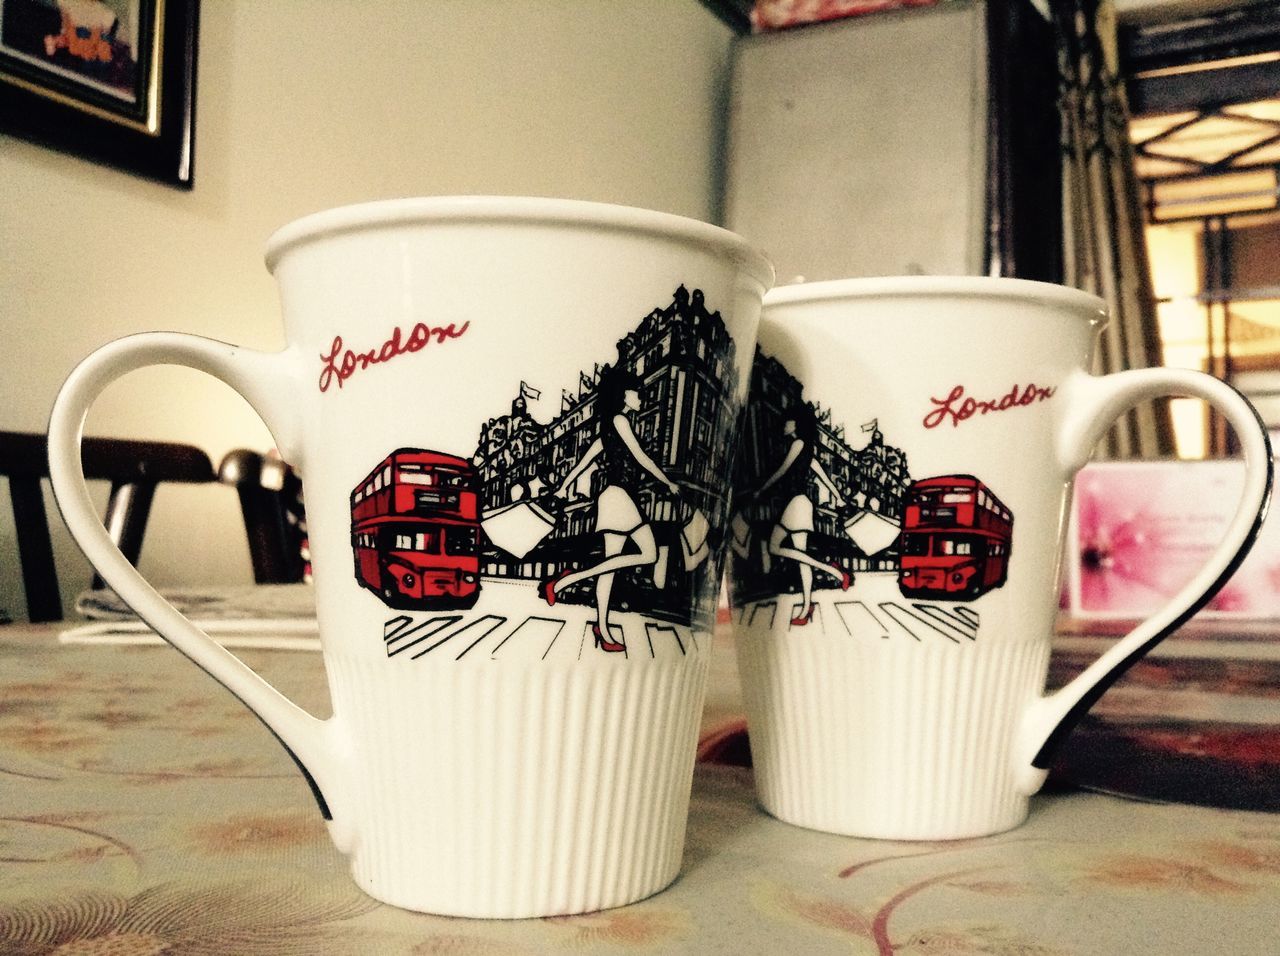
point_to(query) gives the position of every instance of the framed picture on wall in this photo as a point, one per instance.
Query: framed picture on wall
(112, 81)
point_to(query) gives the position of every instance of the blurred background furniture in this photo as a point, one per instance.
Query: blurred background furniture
(970, 137)
(1204, 93)
(270, 500)
(268, 489)
(134, 469)
(921, 140)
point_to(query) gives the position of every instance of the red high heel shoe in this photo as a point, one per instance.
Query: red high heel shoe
(549, 588)
(804, 618)
(610, 646)
(846, 578)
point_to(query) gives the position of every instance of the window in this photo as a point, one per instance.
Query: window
(461, 541)
(426, 541)
(965, 545)
(1206, 152)
(915, 545)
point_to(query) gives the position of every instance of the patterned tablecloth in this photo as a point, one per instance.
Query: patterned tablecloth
(143, 810)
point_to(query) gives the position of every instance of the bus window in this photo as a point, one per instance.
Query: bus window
(461, 541)
(410, 539)
(965, 544)
(915, 545)
(957, 496)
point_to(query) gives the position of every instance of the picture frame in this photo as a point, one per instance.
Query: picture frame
(112, 81)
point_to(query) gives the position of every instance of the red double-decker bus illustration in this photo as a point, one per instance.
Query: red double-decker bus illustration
(415, 530)
(955, 539)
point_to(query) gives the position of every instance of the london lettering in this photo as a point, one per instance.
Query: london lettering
(340, 364)
(958, 407)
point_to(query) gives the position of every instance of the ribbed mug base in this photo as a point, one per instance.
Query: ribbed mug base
(512, 792)
(903, 742)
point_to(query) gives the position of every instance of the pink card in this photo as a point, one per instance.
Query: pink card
(1141, 530)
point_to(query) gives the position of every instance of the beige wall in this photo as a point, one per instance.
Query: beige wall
(305, 104)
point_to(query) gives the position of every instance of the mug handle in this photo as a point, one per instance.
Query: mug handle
(1089, 405)
(268, 381)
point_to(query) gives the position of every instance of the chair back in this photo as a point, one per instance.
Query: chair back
(271, 502)
(134, 469)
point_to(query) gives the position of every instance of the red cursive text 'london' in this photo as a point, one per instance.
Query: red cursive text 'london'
(957, 406)
(340, 364)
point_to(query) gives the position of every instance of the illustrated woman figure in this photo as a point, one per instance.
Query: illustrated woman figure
(790, 533)
(621, 459)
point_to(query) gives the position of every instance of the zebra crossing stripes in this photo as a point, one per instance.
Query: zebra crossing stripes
(538, 637)
(532, 639)
(664, 633)
(475, 632)
(402, 633)
(761, 613)
(960, 624)
(880, 620)
(857, 618)
(904, 618)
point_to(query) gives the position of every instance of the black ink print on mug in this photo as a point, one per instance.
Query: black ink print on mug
(822, 512)
(595, 526)
(815, 507)
(611, 502)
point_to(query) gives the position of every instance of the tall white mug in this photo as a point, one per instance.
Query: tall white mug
(907, 456)
(514, 420)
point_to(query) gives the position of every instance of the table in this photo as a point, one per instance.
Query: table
(141, 807)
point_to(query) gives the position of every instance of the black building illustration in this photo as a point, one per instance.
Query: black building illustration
(683, 358)
(872, 479)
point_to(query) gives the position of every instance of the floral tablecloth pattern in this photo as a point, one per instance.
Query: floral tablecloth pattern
(144, 811)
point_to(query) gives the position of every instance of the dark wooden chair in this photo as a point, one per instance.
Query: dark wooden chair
(269, 493)
(134, 469)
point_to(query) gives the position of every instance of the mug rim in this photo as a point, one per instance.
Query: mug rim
(482, 208)
(930, 285)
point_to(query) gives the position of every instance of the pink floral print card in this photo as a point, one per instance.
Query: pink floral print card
(1141, 530)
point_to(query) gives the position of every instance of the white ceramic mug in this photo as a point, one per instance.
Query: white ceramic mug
(515, 713)
(907, 454)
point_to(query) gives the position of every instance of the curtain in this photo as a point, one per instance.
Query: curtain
(1104, 251)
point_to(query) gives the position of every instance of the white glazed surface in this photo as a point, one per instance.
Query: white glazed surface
(519, 784)
(864, 727)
